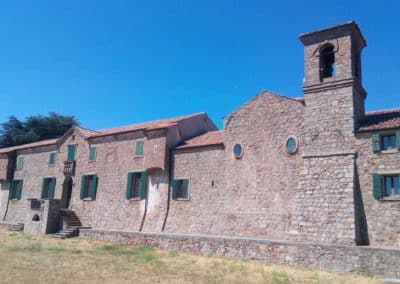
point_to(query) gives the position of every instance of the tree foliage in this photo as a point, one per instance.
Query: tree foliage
(34, 128)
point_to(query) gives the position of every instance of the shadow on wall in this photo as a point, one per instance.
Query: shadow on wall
(361, 226)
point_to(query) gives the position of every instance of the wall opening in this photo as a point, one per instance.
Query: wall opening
(327, 64)
(36, 218)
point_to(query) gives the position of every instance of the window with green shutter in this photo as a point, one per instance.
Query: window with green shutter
(20, 163)
(139, 148)
(385, 185)
(377, 186)
(52, 159)
(48, 188)
(16, 189)
(387, 141)
(89, 187)
(136, 185)
(71, 152)
(92, 154)
(180, 189)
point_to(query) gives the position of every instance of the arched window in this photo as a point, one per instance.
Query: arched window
(327, 61)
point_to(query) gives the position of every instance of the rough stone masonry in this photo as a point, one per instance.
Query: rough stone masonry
(308, 181)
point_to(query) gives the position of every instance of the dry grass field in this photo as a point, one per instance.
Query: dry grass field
(25, 259)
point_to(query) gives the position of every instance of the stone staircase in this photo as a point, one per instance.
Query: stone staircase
(71, 224)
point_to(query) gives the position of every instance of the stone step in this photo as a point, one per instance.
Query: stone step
(16, 227)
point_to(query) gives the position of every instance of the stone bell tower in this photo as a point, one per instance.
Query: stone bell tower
(332, 87)
(325, 200)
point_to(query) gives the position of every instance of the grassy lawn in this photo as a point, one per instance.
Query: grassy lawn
(25, 259)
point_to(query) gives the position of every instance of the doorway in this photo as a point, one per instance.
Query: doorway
(67, 193)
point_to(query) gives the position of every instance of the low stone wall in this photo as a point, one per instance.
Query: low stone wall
(374, 260)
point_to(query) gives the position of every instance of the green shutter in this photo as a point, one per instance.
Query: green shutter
(398, 139)
(52, 158)
(52, 188)
(13, 188)
(20, 163)
(377, 186)
(42, 195)
(174, 188)
(129, 186)
(185, 185)
(93, 190)
(139, 148)
(143, 185)
(83, 182)
(376, 142)
(92, 153)
(19, 189)
(71, 152)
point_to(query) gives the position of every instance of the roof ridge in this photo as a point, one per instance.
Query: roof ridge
(168, 119)
(383, 111)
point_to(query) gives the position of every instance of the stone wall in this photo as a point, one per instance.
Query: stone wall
(377, 261)
(250, 196)
(115, 158)
(47, 212)
(323, 207)
(4, 161)
(382, 216)
(204, 212)
(35, 168)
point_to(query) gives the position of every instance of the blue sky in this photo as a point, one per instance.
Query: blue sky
(113, 63)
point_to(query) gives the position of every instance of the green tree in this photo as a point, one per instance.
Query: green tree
(34, 128)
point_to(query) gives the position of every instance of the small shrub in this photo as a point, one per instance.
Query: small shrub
(56, 249)
(173, 253)
(144, 254)
(279, 278)
(34, 248)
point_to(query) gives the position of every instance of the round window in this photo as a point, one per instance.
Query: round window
(292, 144)
(238, 151)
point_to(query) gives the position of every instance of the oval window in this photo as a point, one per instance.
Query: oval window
(238, 151)
(292, 145)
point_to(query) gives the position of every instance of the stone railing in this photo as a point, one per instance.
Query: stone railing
(69, 168)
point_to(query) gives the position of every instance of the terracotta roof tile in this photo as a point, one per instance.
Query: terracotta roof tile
(88, 133)
(382, 119)
(155, 124)
(30, 145)
(206, 139)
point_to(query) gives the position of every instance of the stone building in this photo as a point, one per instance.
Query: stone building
(316, 169)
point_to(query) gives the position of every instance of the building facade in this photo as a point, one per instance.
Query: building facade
(313, 169)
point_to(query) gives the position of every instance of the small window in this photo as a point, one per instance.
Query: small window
(382, 142)
(16, 189)
(238, 151)
(52, 159)
(327, 62)
(292, 144)
(139, 148)
(136, 186)
(89, 187)
(180, 189)
(20, 163)
(92, 154)
(389, 142)
(71, 153)
(48, 188)
(392, 185)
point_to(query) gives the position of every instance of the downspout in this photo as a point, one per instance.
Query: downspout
(170, 166)
(9, 179)
(146, 201)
